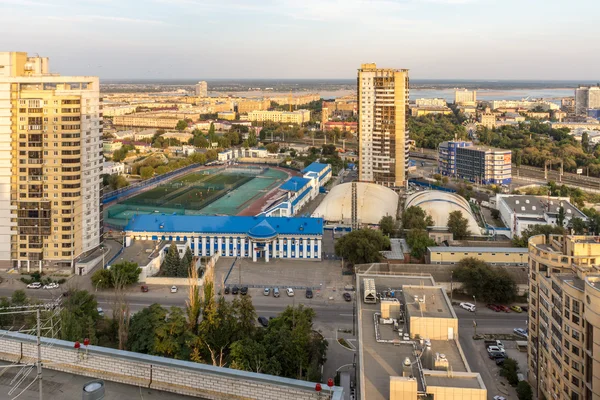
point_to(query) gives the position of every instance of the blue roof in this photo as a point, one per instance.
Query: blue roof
(252, 226)
(295, 184)
(315, 167)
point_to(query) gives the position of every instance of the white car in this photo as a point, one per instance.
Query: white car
(52, 285)
(34, 285)
(495, 349)
(100, 311)
(173, 289)
(468, 306)
(267, 291)
(499, 398)
(520, 332)
(290, 292)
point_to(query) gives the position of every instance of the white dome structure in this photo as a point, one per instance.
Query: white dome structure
(374, 202)
(440, 204)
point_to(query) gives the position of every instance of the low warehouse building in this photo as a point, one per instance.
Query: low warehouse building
(491, 255)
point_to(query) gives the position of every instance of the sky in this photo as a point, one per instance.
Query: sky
(210, 39)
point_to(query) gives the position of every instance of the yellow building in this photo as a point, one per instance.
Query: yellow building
(420, 111)
(488, 119)
(111, 146)
(165, 120)
(491, 255)
(51, 162)
(294, 117)
(564, 317)
(382, 125)
(227, 115)
(245, 106)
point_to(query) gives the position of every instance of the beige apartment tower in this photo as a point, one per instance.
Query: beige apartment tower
(382, 125)
(564, 317)
(202, 89)
(50, 164)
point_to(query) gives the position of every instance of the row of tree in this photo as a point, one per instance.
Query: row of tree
(173, 266)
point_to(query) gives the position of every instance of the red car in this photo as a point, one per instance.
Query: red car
(504, 308)
(493, 307)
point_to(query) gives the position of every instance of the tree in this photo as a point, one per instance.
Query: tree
(458, 225)
(146, 172)
(362, 246)
(185, 263)
(211, 130)
(172, 337)
(419, 241)
(244, 311)
(79, 316)
(493, 285)
(522, 241)
(116, 181)
(387, 225)
(102, 279)
(509, 370)
(495, 213)
(142, 328)
(181, 125)
(19, 298)
(414, 217)
(170, 265)
(578, 225)
(585, 142)
(273, 148)
(200, 141)
(560, 220)
(524, 391)
(125, 272)
(252, 140)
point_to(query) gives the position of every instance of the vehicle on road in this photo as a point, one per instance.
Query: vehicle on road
(468, 306)
(504, 308)
(499, 398)
(497, 343)
(267, 291)
(517, 309)
(244, 291)
(496, 355)
(235, 290)
(290, 292)
(521, 332)
(173, 289)
(276, 292)
(347, 296)
(495, 349)
(493, 307)
(34, 285)
(309, 293)
(51, 285)
(263, 321)
(100, 311)
(227, 290)
(144, 288)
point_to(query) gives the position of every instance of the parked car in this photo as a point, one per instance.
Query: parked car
(227, 290)
(173, 289)
(493, 307)
(235, 290)
(496, 355)
(144, 288)
(496, 343)
(276, 292)
(309, 293)
(500, 361)
(263, 321)
(525, 308)
(51, 285)
(347, 296)
(34, 285)
(267, 291)
(290, 292)
(499, 398)
(504, 308)
(100, 311)
(517, 309)
(468, 306)
(495, 349)
(244, 291)
(521, 332)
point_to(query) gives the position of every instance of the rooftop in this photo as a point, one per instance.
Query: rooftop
(429, 302)
(152, 223)
(538, 205)
(463, 381)
(294, 184)
(315, 167)
(458, 249)
(140, 252)
(572, 280)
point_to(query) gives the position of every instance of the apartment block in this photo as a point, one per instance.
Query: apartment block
(430, 103)
(478, 164)
(50, 164)
(292, 117)
(586, 98)
(382, 125)
(202, 89)
(465, 97)
(246, 106)
(564, 317)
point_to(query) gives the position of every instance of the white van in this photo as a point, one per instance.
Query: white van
(468, 306)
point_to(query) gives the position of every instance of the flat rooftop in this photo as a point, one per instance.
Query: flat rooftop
(430, 302)
(573, 280)
(140, 252)
(466, 381)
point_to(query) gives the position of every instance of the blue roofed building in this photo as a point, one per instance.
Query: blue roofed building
(319, 171)
(257, 237)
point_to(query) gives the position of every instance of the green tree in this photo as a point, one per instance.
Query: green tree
(414, 217)
(578, 225)
(560, 220)
(79, 316)
(248, 354)
(19, 298)
(458, 225)
(185, 263)
(509, 370)
(419, 241)
(493, 285)
(252, 140)
(387, 225)
(362, 246)
(524, 391)
(143, 327)
(211, 130)
(181, 125)
(522, 241)
(172, 337)
(273, 148)
(585, 142)
(244, 312)
(200, 141)
(125, 272)
(146, 172)
(116, 181)
(171, 263)
(102, 279)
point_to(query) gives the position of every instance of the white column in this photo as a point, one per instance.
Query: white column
(203, 245)
(196, 246)
(319, 248)
(304, 244)
(28, 266)
(242, 249)
(281, 248)
(312, 248)
(227, 247)
(211, 251)
(267, 252)
(253, 252)
(40, 266)
(189, 243)
(235, 244)
(220, 244)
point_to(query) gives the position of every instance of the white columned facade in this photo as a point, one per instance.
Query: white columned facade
(211, 251)
(253, 252)
(235, 252)
(267, 252)
(203, 245)
(196, 246)
(304, 244)
(312, 248)
(219, 244)
(280, 248)
(227, 247)
(319, 248)
(242, 250)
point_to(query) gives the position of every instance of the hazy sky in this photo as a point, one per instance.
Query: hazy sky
(203, 39)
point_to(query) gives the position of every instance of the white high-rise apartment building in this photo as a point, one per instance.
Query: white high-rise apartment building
(50, 164)
(382, 125)
(202, 89)
(465, 97)
(586, 98)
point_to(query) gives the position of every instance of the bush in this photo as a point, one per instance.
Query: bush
(509, 371)
(485, 283)
(125, 273)
(524, 391)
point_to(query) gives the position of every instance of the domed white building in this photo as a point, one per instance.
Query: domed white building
(440, 204)
(374, 202)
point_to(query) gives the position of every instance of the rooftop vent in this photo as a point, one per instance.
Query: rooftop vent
(516, 201)
(527, 201)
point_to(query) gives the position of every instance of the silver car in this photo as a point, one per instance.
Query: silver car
(267, 291)
(276, 292)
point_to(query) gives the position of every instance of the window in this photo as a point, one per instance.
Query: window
(575, 350)
(575, 335)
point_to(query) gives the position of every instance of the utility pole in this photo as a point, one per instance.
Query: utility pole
(39, 352)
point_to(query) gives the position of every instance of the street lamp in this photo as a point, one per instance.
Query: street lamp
(97, 283)
(475, 304)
